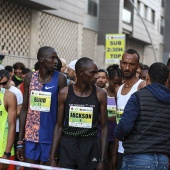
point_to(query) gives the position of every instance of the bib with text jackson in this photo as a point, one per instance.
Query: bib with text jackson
(80, 116)
(40, 101)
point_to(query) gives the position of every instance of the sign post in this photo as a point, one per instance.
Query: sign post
(115, 47)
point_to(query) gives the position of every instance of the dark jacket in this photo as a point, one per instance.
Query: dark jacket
(144, 127)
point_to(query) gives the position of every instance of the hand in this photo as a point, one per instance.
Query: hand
(4, 166)
(20, 154)
(100, 166)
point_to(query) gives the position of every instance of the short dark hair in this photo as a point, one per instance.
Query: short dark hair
(36, 66)
(168, 62)
(140, 65)
(158, 73)
(113, 71)
(82, 63)
(132, 51)
(42, 50)
(26, 70)
(145, 67)
(9, 68)
(18, 65)
(4, 73)
(101, 70)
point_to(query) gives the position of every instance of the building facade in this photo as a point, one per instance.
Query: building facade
(142, 21)
(25, 26)
(77, 28)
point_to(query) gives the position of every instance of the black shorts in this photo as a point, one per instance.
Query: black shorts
(79, 153)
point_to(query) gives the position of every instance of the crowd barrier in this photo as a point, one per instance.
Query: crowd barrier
(29, 165)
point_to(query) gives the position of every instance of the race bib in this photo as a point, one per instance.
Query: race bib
(111, 110)
(119, 114)
(80, 117)
(40, 101)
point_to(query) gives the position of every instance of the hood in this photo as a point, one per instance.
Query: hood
(160, 92)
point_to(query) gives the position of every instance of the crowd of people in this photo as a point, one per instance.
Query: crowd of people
(79, 116)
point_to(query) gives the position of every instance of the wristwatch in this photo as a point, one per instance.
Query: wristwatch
(7, 154)
(104, 161)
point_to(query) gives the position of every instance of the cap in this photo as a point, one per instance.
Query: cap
(72, 64)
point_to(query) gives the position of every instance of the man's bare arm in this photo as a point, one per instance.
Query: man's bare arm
(59, 125)
(11, 107)
(24, 109)
(141, 85)
(102, 97)
(62, 81)
(19, 107)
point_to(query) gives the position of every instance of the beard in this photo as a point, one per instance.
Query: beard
(101, 85)
(129, 75)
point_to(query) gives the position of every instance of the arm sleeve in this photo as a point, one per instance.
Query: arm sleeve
(128, 118)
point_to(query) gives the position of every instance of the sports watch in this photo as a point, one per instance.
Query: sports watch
(7, 154)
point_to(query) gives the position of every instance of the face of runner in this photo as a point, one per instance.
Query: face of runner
(90, 75)
(129, 65)
(18, 72)
(49, 59)
(138, 72)
(102, 80)
(4, 82)
(71, 73)
(63, 67)
(115, 82)
(143, 74)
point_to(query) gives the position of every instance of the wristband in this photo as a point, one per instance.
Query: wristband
(21, 142)
(7, 154)
(20, 146)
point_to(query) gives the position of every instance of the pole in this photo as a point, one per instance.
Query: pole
(146, 29)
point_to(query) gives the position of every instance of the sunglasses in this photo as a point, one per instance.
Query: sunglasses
(4, 83)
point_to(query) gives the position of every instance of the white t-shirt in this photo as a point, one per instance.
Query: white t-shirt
(121, 103)
(19, 97)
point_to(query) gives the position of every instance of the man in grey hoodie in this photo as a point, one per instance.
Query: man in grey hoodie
(144, 126)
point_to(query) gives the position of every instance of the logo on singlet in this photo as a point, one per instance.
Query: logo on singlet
(49, 87)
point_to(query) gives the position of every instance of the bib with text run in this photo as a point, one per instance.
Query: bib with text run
(80, 117)
(40, 101)
(111, 110)
(119, 114)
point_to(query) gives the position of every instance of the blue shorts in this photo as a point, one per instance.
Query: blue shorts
(37, 151)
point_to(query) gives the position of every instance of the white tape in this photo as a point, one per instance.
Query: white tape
(36, 166)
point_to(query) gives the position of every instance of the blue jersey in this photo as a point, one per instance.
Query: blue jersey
(42, 109)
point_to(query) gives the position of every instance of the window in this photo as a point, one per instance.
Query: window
(138, 6)
(162, 3)
(142, 10)
(162, 26)
(92, 8)
(146, 12)
(153, 16)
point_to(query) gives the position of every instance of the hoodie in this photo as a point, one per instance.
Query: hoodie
(160, 92)
(131, 110)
